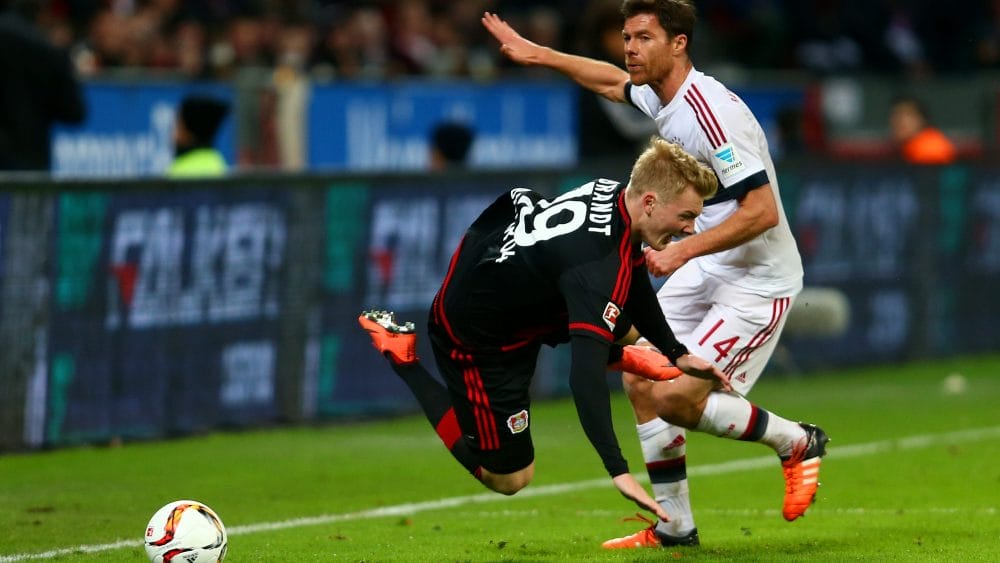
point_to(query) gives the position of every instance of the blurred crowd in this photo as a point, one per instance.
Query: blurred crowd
(443, 38)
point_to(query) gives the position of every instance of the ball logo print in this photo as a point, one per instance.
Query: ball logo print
(186, 530)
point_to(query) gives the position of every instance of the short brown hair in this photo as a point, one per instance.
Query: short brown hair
(665, 168)
(677, 17)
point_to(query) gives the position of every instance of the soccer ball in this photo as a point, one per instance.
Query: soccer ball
(186, 531)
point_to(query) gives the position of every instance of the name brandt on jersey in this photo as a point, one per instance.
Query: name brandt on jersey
(539, 220)
(602, 206)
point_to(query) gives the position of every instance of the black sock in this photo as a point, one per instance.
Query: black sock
(615, 353)
(435, 401)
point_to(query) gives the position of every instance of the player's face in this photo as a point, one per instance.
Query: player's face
(904, 122)
(647, 49)
(674, 218)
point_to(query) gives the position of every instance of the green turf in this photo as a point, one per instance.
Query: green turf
(933, 500)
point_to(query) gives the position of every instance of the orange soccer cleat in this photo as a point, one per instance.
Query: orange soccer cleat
(801, 471)
(397, 341)
(645, 362)
(650, 537)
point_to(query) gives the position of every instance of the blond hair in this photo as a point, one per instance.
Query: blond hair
(665, 168)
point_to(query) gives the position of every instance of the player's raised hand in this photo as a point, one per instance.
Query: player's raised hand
(704, 369)
(512, 45)
(632, 490)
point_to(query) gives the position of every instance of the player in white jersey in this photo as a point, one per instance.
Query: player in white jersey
(731, 284)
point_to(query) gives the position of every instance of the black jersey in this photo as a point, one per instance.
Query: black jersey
(533, 269)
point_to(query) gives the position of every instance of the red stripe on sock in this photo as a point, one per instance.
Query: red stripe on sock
(754, 411)
(665, 463)
(447, 429)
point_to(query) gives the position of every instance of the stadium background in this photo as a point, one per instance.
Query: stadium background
(135, 307)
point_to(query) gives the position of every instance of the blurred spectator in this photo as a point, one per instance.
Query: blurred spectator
(191, 41)
(386, 38)
(988, 36)
(351, 43)
(411, 45)
(450, 144)
(826, 41)
(106, 43)
(37, 88)
(902, 40)
(754, 33)
(243, 45)
(291, 91)
(198, 121)
(790, 142)
(917, 140)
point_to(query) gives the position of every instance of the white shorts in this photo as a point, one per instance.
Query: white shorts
(724, 323)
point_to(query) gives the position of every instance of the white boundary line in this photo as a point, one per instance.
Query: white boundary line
(856, 450)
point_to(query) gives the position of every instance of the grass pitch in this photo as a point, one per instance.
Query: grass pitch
(913, 473)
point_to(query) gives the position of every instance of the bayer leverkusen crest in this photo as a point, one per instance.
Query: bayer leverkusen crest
(518, 422)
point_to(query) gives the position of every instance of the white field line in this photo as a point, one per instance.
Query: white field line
(858, 510)
(837, 452)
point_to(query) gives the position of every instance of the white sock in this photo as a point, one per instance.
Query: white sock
(664, 451)
(730, 416)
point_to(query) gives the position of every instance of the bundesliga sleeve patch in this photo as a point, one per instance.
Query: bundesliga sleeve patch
(610, 315)
(727, 161)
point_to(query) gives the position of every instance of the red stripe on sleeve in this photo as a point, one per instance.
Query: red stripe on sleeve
(602, 332)
(623, 280)
(438, 304)
(710, 135)
(708, 112)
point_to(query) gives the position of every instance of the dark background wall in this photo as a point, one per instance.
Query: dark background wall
(143, 309)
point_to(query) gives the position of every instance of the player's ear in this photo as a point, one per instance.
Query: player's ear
(680, 43)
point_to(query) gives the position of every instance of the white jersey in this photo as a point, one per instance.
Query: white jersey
(717, 128)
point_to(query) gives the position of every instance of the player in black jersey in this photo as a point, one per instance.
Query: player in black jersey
(531, 271)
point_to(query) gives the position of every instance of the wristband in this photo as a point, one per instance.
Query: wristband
(675, 352)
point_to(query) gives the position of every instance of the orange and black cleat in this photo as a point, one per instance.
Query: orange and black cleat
(650, 537)
(645, 362)
(801, 471)
(397, 341)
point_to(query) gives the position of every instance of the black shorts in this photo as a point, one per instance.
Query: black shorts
(490, 394)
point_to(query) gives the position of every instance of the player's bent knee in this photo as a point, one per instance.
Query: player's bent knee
(639, 391)
(677, 407)
(636, 387)
(509, 483)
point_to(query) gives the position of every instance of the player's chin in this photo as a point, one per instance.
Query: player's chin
(637, 76)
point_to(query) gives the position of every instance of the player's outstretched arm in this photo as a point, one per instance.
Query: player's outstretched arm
(598, 76)
(632, 490)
